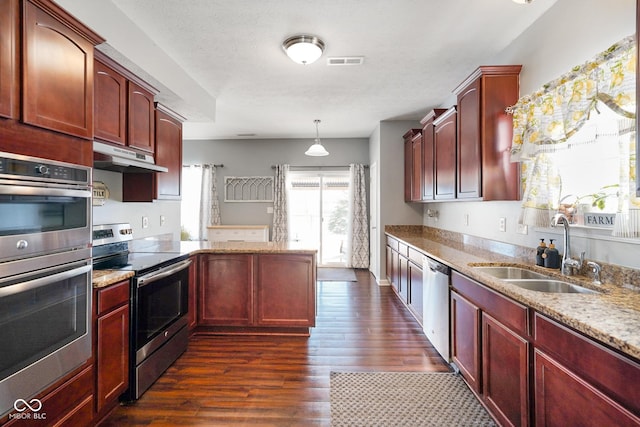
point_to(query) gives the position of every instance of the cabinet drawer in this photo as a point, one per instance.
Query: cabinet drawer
(392, 243)
(509, 312)
(606, 370)
(403, 249)
(112, 296)
(416, 256)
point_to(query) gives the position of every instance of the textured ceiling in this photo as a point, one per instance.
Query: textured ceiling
(222, 59)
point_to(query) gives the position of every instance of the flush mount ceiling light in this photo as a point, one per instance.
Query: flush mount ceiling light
(317, 150)
(303, 49)
(523, 1)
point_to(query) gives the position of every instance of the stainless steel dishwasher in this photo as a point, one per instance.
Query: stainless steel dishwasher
(435, 305)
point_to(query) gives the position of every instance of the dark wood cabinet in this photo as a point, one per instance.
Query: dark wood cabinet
(465, 339)
(226, 290)
(427, 152)
(403, 279)
(9, 66)
(193, 293)
(242, 293)
(110, 106)
(484, 169)
(168, 153)
(444, 154)
(111, 345)
(416, 289)
(57, 87)
(409, 164)
(505, 373)
(141, 123)
(285, 290)
(416, 169)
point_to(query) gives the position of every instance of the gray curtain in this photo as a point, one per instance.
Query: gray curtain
(280, 211)
(358, 238)
(209, 204)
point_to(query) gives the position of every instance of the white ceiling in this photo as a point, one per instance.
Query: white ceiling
(222, 59)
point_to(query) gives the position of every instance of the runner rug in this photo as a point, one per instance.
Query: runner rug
(329, 274)
(404, 399)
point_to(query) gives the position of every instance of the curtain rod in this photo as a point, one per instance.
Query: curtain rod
(317, 167)
(221, 165)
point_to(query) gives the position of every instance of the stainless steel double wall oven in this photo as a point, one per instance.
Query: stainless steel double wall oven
(45, 274)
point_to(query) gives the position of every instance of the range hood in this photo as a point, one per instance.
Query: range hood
(120, 159)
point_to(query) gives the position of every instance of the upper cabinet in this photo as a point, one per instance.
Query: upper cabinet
(410, 139)
(484, 169)
(57, 70)
(428, 133)
(444, 155)
(141, 124)
(168, 152)
(9, 76)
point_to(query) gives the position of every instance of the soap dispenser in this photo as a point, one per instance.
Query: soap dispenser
(551, 256)
(539, 252)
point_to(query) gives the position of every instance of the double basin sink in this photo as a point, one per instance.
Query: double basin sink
(532, 280)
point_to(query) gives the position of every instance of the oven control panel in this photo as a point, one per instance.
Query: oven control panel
(15, 166)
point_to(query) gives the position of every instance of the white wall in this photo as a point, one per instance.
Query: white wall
(255, 158)
(114, 210)
(570, 33)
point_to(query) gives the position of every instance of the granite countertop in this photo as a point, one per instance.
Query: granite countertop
(612, 316)
(103, 278)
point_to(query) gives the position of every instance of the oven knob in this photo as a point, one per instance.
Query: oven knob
(166, 334)
(22, 244)
(42, 169)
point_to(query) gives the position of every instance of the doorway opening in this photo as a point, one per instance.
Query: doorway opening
(319, 212)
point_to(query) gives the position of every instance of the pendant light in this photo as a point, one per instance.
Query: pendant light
(316, 149)
(303, 49)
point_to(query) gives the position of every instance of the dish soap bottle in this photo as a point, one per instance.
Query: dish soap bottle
(539, 252)
(551, 256)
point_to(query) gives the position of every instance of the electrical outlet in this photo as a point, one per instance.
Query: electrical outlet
(523, 229)
(269, 209)
(466, 219)
(145, 222)
(502, 224)
(162, 220)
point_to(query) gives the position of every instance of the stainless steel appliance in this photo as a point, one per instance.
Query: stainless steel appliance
(435, 305)
(45, 274)
(159, 303)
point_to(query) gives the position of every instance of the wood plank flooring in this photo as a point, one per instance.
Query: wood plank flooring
(284, 381)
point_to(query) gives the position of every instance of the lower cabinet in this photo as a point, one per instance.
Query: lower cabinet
(111, 345)
(416, 290)
(465, 339)
(193, 293)
(257, 291)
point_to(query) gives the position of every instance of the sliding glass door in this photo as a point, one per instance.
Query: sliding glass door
(318, 213)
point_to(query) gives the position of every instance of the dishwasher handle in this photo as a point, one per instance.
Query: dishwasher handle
(434, 266)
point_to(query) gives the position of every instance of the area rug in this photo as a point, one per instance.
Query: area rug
(329, 274)
(404, 399)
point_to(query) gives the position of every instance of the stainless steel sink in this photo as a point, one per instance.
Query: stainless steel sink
(508, 273)
(551, 285)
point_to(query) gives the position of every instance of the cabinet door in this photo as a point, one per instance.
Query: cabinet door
(465, 339)
(193, 293)
(112, 354)
(168, 154)
(445, 157)
(403, 279)
(141, 124)
(110, 107)
(427, 161)
(505, 367)
(389, 265)
(408, 170)
(226, 284)
(57, 75)
(468, 151)
(565, 399)
(285, 290)
(416, 290)
(9, 78)
(416, 169)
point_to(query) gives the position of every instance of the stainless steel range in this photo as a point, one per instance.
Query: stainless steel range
(159, 303)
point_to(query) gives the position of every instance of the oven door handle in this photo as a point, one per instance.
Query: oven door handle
(162, 273)
(24, 190)
(42, 281)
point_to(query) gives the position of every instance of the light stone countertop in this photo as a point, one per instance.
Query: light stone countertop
(104, 278)
(612, 317)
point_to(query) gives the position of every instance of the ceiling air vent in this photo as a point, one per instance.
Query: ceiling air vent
(345, 60)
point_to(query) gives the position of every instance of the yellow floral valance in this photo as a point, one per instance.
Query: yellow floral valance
(560, 108)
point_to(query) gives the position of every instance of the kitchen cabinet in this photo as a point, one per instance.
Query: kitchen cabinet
(416, 168)
(416, 284)
(141, 123)
(592, 381)
(444, 155)
(57, 88)
(110, 106)
(9, 67)
(428, 162)
(409, 182)
(149, 186)
(404, 272)
(193, 293)
(111, 345)
(490, 346)
(484, 170)
(244, 293)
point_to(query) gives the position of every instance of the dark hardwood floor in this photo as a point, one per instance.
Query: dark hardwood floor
(284, 381)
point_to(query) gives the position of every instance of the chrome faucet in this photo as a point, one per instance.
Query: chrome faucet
(569, 265)
(595, 269)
